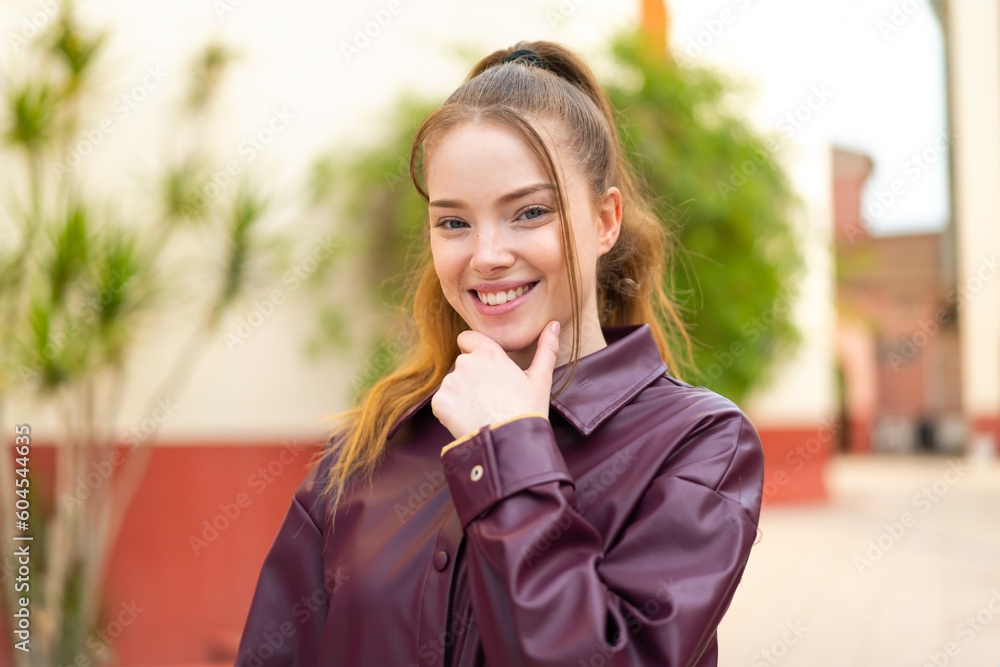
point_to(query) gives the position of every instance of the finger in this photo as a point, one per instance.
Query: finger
(545, 354)
(470, 340)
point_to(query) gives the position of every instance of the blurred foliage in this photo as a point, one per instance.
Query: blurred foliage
(724, 200)
(728, 205)
(383, 216)
(82, 281)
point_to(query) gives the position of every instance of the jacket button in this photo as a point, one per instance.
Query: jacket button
(476, 473)
(440, 561)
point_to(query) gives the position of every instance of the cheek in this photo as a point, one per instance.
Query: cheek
(447, 268)
(550, 256)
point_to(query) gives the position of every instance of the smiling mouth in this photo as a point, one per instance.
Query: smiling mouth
(500, 298)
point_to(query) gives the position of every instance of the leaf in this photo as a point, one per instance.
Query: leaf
(209, 67)
(242, 245)
(118, 292)
(183, 192)
(75, 49)
(70, 254)
(33, 109)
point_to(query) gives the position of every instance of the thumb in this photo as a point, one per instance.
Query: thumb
(545, 354)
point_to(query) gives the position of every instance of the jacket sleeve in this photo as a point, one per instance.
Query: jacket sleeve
(543, 589)
(285, 623)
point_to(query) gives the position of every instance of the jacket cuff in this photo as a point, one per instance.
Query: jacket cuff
(498, 461)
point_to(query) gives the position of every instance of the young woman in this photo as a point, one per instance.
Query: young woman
(531, 486)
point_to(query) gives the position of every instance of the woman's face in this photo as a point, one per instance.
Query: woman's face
(497, 243)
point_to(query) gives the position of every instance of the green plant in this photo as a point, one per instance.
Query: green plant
(728, 205)
(81, 282)
(370, 189)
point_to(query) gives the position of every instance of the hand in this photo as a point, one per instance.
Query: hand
(487, 387)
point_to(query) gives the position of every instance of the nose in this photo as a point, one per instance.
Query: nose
(492, 250)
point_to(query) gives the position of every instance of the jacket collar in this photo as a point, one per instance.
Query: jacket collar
(604, 381)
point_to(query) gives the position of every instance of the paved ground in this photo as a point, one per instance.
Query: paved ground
(900, 568)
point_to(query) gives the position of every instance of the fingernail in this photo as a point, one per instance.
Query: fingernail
(555, 328)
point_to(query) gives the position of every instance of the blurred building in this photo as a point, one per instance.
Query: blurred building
(918, 334)
(897, 329)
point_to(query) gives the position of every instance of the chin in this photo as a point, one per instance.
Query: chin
(509, 338)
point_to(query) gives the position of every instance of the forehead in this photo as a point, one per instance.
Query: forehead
(484, 157)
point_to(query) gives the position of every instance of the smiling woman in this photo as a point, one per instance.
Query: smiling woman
(531, 486)
(497, 245)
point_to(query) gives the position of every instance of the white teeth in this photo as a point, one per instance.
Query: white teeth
(498, 298)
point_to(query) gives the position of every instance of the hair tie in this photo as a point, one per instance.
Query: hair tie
(528, 57)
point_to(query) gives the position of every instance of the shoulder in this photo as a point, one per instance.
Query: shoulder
(705, 437)
(688, 408)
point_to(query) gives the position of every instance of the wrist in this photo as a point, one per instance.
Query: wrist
(470, 434)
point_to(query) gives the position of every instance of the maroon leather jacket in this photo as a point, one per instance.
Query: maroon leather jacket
(612, 533)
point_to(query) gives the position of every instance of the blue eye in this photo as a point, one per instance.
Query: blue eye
(446, 223)
(534, 212)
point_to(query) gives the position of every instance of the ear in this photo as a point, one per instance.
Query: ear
(609, 211)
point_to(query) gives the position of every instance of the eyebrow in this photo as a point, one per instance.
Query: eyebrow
(503, 199)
